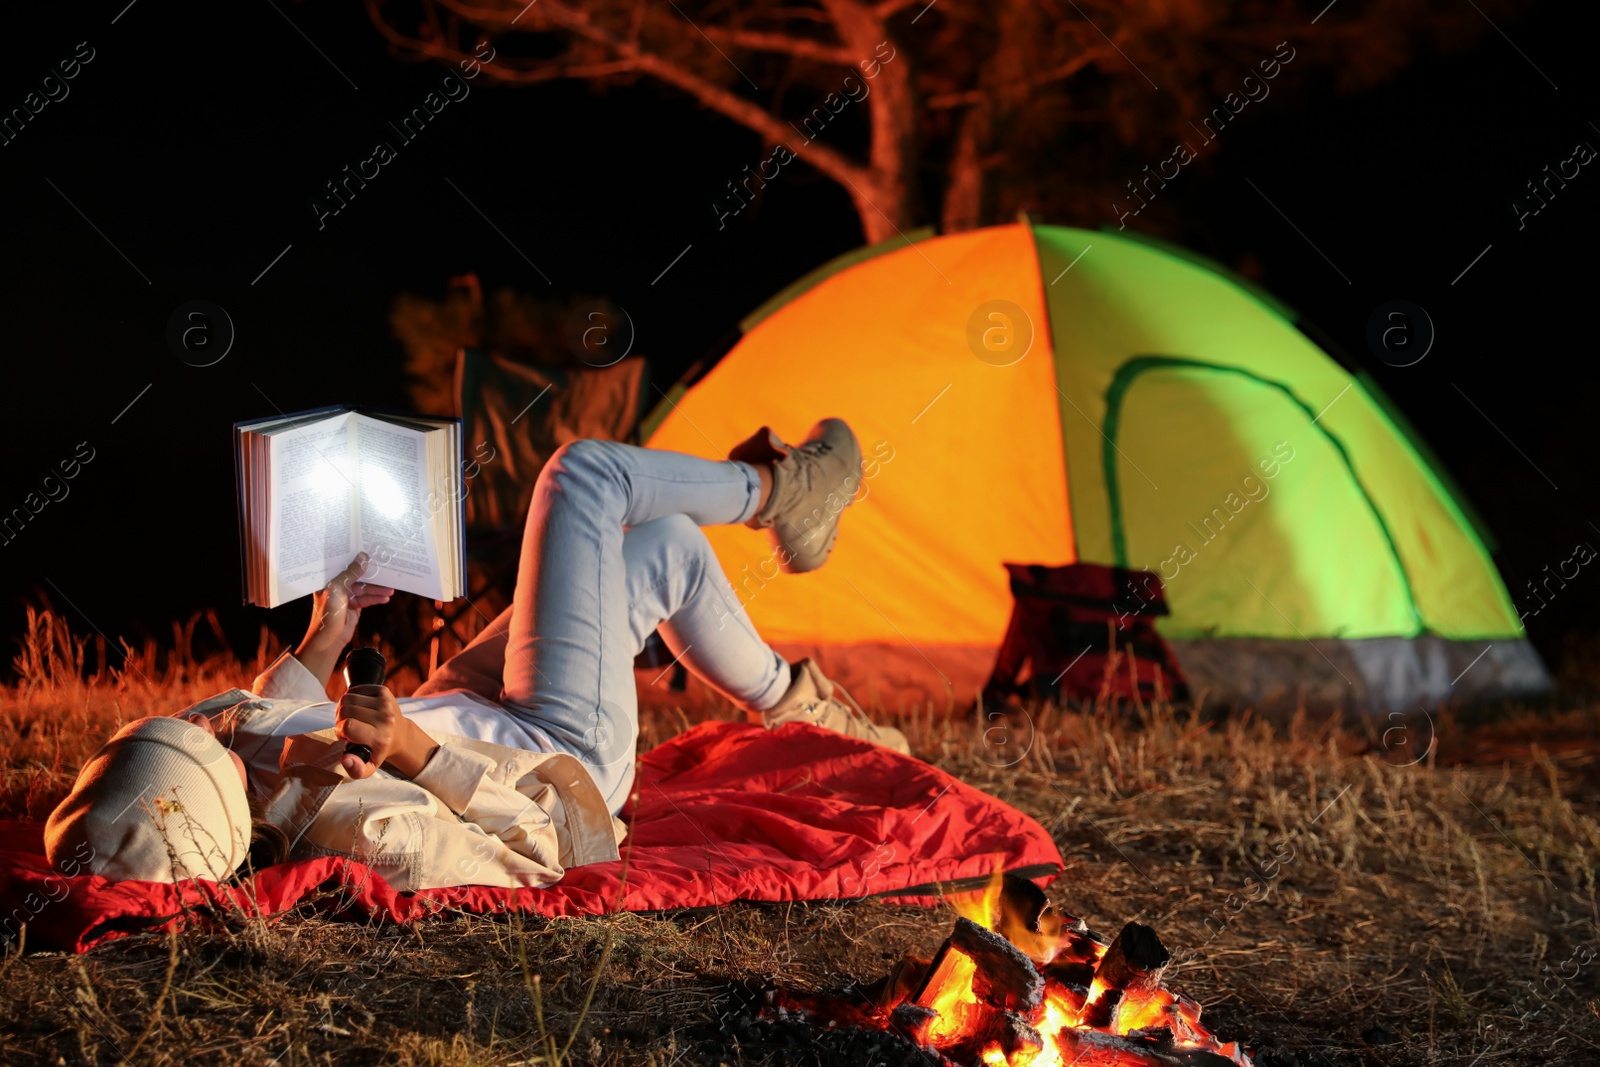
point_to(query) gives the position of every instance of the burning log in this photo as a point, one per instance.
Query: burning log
(1072, 974)
(979, 961)
(1134, 960)
(1069, 998)
(909, 974)
(1006, 978)
(1132, 965)
(1086, 947)
(980, 991)
(1073, 966)
(1025, 917)
(1012, 1033)
(913, 1021)
(1138, 1048)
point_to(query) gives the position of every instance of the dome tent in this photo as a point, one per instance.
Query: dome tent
(1048, 395)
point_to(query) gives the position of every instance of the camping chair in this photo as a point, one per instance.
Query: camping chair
(1086, 632)
(513, 418)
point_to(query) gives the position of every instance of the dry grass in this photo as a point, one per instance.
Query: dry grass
(1453, 901)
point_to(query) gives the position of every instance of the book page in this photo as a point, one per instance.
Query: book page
(313, 531)
(395, 518)
(448, 474)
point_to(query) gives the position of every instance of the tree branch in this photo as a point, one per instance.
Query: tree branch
(799, 47)
(804, 14)
(499, 70)
(633, 58)
(1066, 70)
(887, 9)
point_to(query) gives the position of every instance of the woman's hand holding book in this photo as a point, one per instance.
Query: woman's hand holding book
(335, 611)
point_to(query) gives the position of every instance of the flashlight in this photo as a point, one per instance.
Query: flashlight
(362, 666)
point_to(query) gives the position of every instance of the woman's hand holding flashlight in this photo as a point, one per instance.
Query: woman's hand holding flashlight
(369, 715)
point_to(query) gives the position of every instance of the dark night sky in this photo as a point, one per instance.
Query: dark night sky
(197, 136)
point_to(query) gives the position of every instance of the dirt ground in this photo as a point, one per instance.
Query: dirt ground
(1328, 900)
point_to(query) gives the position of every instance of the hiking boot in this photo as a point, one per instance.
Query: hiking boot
(812, 484)
(812, 698)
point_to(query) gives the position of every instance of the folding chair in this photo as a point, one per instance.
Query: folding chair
(513, 418)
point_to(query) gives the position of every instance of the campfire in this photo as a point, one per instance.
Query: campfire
(1017, 983)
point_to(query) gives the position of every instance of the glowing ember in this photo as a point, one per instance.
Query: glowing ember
(953, 999)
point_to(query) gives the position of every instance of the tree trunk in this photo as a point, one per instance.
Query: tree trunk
(1003, 83)
(881, 216)
(884, 206)
(967, 174)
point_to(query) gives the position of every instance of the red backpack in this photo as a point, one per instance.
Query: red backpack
(1084, 632)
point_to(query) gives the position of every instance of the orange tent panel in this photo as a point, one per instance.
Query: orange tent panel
(918, 559)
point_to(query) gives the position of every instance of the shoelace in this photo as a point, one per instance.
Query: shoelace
(854, 709)
(804, 468)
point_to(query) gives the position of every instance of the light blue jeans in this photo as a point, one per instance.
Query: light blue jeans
(613, 551)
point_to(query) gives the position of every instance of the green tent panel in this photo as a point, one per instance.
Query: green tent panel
(1179, 386)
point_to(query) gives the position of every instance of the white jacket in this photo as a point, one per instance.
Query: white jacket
(478, 814)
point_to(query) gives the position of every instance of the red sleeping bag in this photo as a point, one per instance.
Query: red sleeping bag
(725, 812)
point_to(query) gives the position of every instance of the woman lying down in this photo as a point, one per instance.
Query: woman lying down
(508, 765)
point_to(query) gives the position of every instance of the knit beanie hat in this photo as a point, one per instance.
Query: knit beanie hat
(161, 801)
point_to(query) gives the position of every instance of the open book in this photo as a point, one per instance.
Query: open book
(317, 487)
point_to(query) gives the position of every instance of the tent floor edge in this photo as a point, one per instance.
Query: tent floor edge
(1371, 676)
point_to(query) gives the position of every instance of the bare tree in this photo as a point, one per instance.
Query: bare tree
(949, 95)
